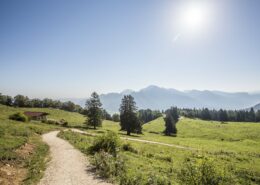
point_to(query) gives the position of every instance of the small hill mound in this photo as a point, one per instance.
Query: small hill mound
(154, 126)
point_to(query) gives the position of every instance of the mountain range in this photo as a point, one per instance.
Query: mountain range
(159, 98)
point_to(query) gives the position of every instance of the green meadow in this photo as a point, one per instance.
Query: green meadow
(233, 147)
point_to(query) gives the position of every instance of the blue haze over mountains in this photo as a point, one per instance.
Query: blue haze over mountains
(158, 98)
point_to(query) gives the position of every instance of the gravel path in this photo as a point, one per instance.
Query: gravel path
(67, 166)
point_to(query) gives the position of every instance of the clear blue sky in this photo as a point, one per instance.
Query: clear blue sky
(66, 48)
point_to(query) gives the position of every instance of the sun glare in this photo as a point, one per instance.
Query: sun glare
(193, 17)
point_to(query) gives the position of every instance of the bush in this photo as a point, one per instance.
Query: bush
(63, 122)
(107, 165)
(128, 147)
(140, 178)
(203, 171)
(132, 179)
(154, 179)
(19, 117)
(51, 121)
(108, 142)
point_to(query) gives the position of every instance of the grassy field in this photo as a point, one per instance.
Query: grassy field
(232, 146)
(22, 152)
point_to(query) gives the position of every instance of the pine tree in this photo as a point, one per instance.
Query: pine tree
(170, 120)
(205, 114)
(223, 116)
(94, 111)
(128, 115)
(251, 115)
(258, 116)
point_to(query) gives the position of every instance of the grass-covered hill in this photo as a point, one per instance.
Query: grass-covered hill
(22, 153)
(232, 146)
(73, 118)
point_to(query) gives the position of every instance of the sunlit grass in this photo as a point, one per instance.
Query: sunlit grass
(232, 144)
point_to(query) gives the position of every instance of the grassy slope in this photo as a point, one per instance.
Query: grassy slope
(236, 144)
(73, 118)
(232, 143)
(15, 134)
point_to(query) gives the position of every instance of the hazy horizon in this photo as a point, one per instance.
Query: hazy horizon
(68, 49)
(134, 90)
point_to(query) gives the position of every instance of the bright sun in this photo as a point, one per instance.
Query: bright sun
(193, 17)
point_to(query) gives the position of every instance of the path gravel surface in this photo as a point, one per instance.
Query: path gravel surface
(67, 166)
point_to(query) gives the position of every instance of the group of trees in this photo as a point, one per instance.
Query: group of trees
(6, 100)
(130, 118)
(95, 113)
(24, 101)
(129, 121)
(105, 115)
(146, 115)
(222, 115)
(116, 117)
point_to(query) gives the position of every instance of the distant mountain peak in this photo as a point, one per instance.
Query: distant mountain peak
(150, 87)
(127, 91)
(160, 98)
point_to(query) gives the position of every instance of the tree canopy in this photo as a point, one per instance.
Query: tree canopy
(128, 115)
(146, 115)
(24, 101)
(222, 115)
(171, 118)
(94, 111)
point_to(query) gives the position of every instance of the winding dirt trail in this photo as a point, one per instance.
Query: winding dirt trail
(139, 140)
(67, 166)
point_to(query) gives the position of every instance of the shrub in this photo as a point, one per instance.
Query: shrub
(19, 117)
(107, 165)
(140, 178)
(129, 147)
(203, 171)
(132, 179)
(63, 122)
(51, 121)
(108, 142)
(154, 179)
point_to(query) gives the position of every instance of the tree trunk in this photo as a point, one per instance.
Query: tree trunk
(128, 133)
